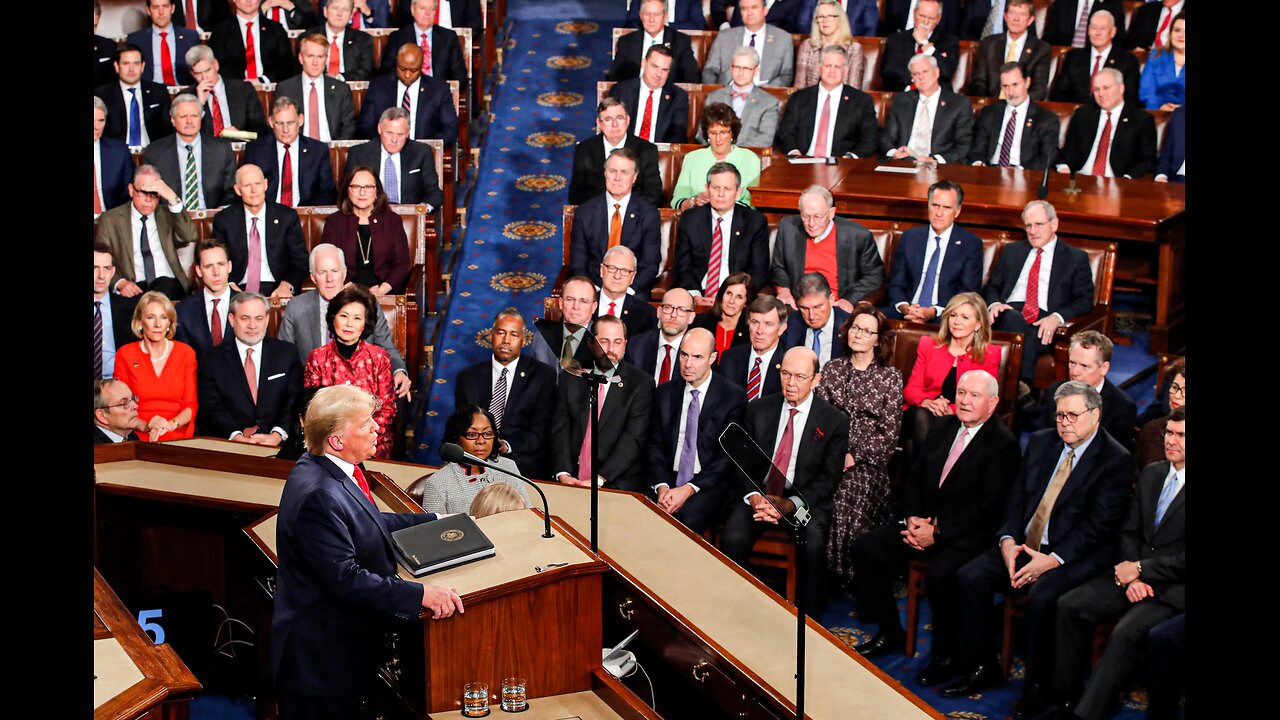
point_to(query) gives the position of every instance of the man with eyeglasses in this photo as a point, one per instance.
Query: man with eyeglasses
(842, 250)
(407, 169)
(263, 238)
(297, 167)
(756, 109)
(617, 270)
(1089, 360)
(612, 123)
(115, 412)
(657, 351)
(144, 238)
(805, 437)
(755, 366)
(1060, 528)
(659, 23)
(820, 320)
(617, 217)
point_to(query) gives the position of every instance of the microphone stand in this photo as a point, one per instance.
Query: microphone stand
(593, 379)
(454, 453)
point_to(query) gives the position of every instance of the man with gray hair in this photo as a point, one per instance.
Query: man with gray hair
(839, 248)
(1113, 138)
(831, 118)
(1069, 22)
(407, 169)
(659, 23)
(1060, 529)
(925, 34)
(153, 264)
(756, 109)
(263, 237)
(115, 412)
(229, 104)
(930, 123)
(617, 271)
(201, 168)
(1077, 68)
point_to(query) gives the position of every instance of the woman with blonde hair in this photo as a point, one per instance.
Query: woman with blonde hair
(831, 27)
(160, 370)
(494, 499)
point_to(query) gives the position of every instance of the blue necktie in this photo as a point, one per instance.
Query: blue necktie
(135, 118)
(817, 343)
(931, 273)
(689, 449)
(1166, 497)
(389, 180)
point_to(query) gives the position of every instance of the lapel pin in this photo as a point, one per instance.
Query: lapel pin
(1028, 123)
(942, 103)
(737, 232)
(276, 221)
(818, 434)
(1124, 119)
(666, 96)
(631, 215)
(846, 98)
(521, 373)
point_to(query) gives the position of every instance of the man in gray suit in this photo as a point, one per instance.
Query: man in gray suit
(303, 323)
(199, 167)
(777, 53)
(857, 270)
(756, 109)
(931, 124)
(329, 110)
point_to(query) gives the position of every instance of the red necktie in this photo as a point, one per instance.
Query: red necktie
(665, 373)
(820, 146)
(335, 57)
(313, 113)
(1168, 15)
(613, 308)
(777, 481)
(584, 454)
(166, 62)
(191, 15)
(97, 200)
(1104, 145)
(1097, 62)
(251, 375)
(286, 179)
(426, 54)
(275, 14)
(364, 484)
(646, 118)
(215, 324)
(437, 20)
(357, 20)
(250, 57)
(712, 283)
(1031, 305)
(218, 124)
(753, 381)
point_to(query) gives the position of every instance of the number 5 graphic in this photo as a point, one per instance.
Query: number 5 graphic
(156, 631)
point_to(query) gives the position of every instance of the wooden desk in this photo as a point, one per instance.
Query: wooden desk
(1146, 218)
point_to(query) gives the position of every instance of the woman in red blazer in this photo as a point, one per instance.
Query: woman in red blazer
(160, 371)
(370, 234)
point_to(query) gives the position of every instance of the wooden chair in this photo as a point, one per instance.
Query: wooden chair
(907, 339)
(916, 570)
(964, 68)
(872, 52)
(776, 549)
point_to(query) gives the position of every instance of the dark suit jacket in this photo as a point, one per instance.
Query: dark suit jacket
(217, 161)
(855, 130)
(526, 422)
(1072, 83)
(1039, 134)
(975, 18)
(553, 334)
(315, 172)
(748, 239)
(688, 17)
(446, 53)
(301, 16)
(952, 125)
(463, 13)
(208, 13)
(1060, 24)
(225, 403)
(1141, 33)
(901, 46)
(1174, 152)
(1119, 413)
(641, 231)
(245, 110)
(1162, 550)
(1036, 58)
(622, 428)
(278, 59)
(708, 321)
(642, 351)
(436, 116)
(336, 587)
(185, 39)
(859, 269)
(339, 106)
(1087, 515)
(357, 52)
(390, 245)
(282, 236)
(735, 364)
(193, 324)
(104, 71)
(820, 461)
(961, 269)
(636, 313)
(897, 12)
(1133, 140)
(632, 46)
(721, 403)
(1070, 283)
(117, 171)
(785, 14)
(587, 180)
(969, 505)
(100, 438)
(796, 327)
(153, 103)
(419, 182)
(671, 123)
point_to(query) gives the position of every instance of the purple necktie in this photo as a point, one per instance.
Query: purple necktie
(689, 449)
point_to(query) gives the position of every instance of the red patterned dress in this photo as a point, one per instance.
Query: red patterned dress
(368, 368)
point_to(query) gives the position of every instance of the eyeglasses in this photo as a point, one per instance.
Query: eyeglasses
(473, 435)
(1176, 388)
(674, 310)
(1035, 225)
(615, 270)
(719, 133)
(362, 189)
(1069, 417)
(815, 218)
(788, 376)
(859, 331)
(131, 400)
(827, 17)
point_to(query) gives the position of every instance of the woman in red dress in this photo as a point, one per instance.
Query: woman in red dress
(160, 370)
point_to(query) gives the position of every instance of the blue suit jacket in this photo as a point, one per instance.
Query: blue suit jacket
(193, 324)
(117, 172)
(961, 269)
(794, 336)
(436, 116)
(315, 172)
(641, 231)
(1172, 155)
(336, 587)
(186, 39)
(723, 403)
(688, 16)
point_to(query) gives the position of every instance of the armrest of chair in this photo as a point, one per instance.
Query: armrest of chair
(877, 297)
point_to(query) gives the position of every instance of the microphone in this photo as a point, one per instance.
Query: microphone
(452, 452)
(1043, 191)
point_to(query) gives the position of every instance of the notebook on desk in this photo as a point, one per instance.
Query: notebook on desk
(448, 542)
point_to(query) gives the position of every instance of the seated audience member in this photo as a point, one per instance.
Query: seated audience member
(207, 13)
(297, 168)
(831, 26)
(622, 425)
(252, 46)
(718, 236)
(720, 126)
(229, 104)
(617, 270)
(1152, 24)
(934, 264)
(152, 265)
(164, 45)
(370, 234)
(806, 438)
(248, 386)
(115, 412)
(137, 109)
(112, 313)
(755, 366)
(203, 167)
(1015, 44)
(851, 264)
(567, 339)
(1089, 360)
(953, 497)
(658, 27)
(787, 15)
(863, 15)
(112, 165)
(659, 110)
(818, 319)
(459, 14)
(777, 54)
(204, 319)
(429, 100)
(757, 111)
(408, 168)
(900, 15)
(305, 324)
(1172, 395)
(657, 352)
(1078, 67)
(1111, 139)
(455, 487)
(160, 371)
(727, 319)
(103, 50)
(496, 498)
(1146, 587)
(1061, 287)
(349, 360)
(348, 52)
(1015, 131)
(930, 124)
(519, 392)
(1078, 475)
(692, 476)
(617, 217)
(587, 180)
(1167, 648)
(441, 52)
(263, 238)
(298, 16)
(926, 38)
(1068, 23)
(1172, 165)
(1164, 80)
(330, 111)
(829, 119)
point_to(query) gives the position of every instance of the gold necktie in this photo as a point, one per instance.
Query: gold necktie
(615, 226)
(1045, 509)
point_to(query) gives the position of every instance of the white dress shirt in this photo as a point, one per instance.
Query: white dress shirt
(932, 299)
(265, 267)
(142, 110)
(825, 95)
(257, 373)
(602, 307)
(293, 173)
(642, 98)
(824, 340)
(419, 40)
(222, 299)
(1019, 293)
(1166, 13)
(347, 469)
(1015, 152)
(622, 204)
(257, 44)
(157, 72)
(338, 38)
(446, 14)
(761, 37)
(112, 436)
(911, 15)
(158, 259)
(219, 95)
(766, 357)
(307, 82)
(1018, 45)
